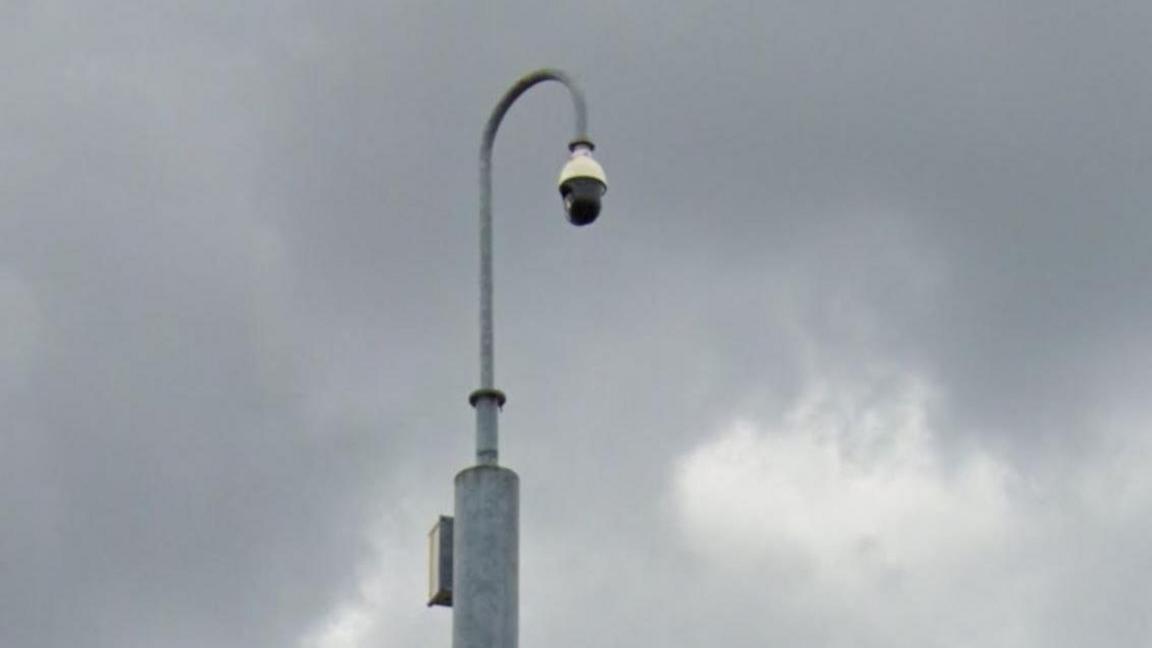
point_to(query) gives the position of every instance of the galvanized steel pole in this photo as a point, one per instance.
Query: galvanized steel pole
(485, 581)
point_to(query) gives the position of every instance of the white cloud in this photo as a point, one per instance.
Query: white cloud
(384, 605)
(852, 511)
(848, 505)
(850, 479)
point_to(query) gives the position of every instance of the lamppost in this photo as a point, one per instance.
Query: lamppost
(484, 555)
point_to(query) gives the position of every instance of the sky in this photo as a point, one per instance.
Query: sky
(858, 353)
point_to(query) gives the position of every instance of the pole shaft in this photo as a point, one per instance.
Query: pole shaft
(486, 546)
(487, 432)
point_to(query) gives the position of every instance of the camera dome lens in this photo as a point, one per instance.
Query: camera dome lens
(582, 200)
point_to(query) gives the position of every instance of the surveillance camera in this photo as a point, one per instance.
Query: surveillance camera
(582, 183)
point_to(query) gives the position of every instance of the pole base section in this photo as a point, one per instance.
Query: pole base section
(486, 548)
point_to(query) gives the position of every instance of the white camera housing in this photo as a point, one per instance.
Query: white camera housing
(582, 184)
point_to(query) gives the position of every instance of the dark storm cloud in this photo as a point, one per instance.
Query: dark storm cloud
(236, 272)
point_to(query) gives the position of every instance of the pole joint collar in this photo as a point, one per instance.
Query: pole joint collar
(485, 393)
(582, 142)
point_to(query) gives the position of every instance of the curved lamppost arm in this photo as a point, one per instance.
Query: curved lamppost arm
(487, 399)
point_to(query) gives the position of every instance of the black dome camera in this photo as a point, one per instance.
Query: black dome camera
(582, 184)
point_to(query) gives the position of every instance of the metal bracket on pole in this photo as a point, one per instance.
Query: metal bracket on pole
(440, 563)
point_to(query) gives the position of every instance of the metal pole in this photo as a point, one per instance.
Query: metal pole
(485, 575)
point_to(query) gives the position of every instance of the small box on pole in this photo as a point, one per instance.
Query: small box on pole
(440, 563)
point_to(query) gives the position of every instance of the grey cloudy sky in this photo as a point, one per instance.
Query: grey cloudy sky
(858, 355)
